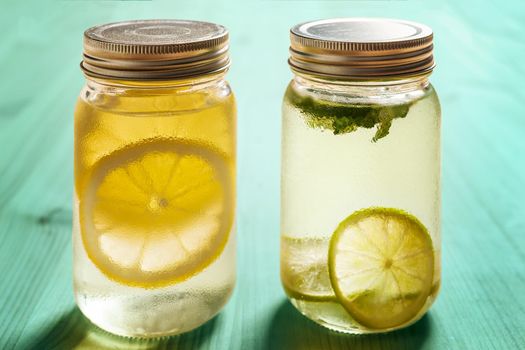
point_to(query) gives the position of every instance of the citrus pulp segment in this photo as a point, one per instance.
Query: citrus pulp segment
(304, 268)
(157, 212)
(381, 266)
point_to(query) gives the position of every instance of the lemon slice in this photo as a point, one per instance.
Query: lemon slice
(304, 268)
(157, 212)
(381, 266)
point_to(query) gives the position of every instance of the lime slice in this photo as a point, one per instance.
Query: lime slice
(156, 212)
(304, 268)
(381, 266)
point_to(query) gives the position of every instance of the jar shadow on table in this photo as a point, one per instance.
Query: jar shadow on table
(75, 332)
(290, 330)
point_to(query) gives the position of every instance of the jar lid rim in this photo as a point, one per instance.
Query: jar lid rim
(361, 47)
(155, 49)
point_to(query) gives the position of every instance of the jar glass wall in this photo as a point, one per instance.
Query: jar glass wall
(147, 158)
(333, 167)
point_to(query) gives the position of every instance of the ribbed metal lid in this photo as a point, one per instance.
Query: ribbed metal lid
(361, 48)
(155, 49)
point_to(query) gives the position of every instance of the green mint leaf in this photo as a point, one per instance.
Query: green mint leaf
(344, 118)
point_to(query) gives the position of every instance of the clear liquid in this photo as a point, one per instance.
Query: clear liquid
(108, 120)
(327, 177)
(147, 313)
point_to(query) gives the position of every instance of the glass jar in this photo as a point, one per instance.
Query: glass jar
(360, 187)
(155, 140)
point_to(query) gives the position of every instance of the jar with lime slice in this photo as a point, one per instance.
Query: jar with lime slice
(154, 246)
(360, 186)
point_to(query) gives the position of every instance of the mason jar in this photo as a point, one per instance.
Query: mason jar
(155, 136)
(360, 188)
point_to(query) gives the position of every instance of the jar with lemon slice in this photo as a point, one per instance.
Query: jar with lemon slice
(155, 124)
(360, 186)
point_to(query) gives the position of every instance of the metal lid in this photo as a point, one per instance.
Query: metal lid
(155, 49)
(361, 48)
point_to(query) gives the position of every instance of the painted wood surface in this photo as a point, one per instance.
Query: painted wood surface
(480, 75)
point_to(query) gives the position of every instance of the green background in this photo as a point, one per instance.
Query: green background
(480, 73)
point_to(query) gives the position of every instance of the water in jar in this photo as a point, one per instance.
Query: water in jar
(339, 177)
(154, 206)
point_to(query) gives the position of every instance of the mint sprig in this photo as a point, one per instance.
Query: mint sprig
(345, 118)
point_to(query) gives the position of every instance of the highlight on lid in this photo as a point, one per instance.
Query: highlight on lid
(155, 49)
(361, 48)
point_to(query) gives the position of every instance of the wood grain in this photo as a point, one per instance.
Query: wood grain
(479, 77)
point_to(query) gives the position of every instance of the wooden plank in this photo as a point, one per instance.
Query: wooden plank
(479, 77)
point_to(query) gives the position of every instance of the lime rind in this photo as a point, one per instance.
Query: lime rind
(376, 211)
(380, 305)
(304, 296)
(304, 269)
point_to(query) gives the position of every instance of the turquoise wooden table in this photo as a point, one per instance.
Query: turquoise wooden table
(480, 74)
